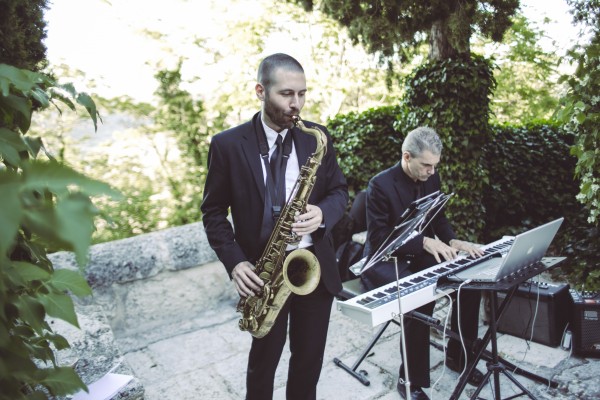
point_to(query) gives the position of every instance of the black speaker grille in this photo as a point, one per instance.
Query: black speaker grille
(586, 324)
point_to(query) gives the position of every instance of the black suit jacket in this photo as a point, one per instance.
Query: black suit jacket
(389, 194)
(235, 183)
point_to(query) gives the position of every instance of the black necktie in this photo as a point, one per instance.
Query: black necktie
(277, 172)
(275, 160)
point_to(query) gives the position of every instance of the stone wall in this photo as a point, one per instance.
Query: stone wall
(142, 256)
(117, 272)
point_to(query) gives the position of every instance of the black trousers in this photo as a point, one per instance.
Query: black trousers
(308, 323)
(416, 333)
(469, 324)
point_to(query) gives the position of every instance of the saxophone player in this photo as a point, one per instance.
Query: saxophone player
(251, 171)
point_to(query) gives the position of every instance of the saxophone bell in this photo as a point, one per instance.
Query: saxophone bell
(301, 271)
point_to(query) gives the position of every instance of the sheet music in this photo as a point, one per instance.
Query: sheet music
(104, 388)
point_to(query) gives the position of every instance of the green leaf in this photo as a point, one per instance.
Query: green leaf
(85, 100)
(75, 216)
(30, 272)
(59, 342)
(55, 94)
(19, 78)
(69, 88)
(10, 209)
(62, 381)
(37, 395)
(61, 306)
(18, 360)
(4, 336)
(40, 349)
(32, 312)
(41, 220)
(34, 145)
(64, 279)
(11, 143)
(21, 106)
(57, 177)
(23, 330)
(41, 97)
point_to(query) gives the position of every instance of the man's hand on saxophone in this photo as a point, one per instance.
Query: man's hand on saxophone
(246, 282)
(308, 222)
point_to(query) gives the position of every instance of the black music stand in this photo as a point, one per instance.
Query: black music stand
(496, 365)
(414, 220)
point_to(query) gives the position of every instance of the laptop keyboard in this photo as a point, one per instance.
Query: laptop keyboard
(490, 271)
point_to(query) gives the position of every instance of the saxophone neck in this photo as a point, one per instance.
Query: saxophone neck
(314, 131)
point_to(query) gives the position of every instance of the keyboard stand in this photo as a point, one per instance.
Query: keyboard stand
(362, 374)
(351, 289)
(496, 366)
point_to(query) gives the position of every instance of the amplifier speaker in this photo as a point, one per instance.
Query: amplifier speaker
(585, 323)
(552, 316)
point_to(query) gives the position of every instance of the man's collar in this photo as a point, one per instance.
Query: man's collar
(271, 133)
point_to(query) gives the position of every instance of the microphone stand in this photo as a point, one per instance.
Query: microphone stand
(402, 336)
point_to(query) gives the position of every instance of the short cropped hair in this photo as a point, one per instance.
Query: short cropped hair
(271, 63)
(421, 139)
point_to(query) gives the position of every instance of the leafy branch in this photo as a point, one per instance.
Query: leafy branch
(43, 203)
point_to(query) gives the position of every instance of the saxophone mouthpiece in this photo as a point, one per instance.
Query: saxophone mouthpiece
(296, 119)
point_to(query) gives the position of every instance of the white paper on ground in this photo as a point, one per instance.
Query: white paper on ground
(104, 388)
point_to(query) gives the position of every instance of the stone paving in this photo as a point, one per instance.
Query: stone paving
(178, 332)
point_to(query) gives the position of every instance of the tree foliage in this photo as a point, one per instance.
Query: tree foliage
(184, 117)
(580, 108)
(22, 30)
(43, 204)
(526, 75)
(393, 28)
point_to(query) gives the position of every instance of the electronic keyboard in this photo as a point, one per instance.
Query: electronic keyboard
(381, 304)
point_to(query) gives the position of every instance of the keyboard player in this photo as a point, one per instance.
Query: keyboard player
(389, 193)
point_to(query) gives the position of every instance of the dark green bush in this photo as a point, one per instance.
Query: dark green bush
(368, 142)
(452, 96)
(532, 181)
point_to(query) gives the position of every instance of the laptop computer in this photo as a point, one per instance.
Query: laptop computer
(527, 248)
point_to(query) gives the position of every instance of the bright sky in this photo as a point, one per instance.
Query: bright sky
(104, 38)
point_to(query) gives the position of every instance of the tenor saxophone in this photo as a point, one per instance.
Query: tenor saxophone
(297, 273)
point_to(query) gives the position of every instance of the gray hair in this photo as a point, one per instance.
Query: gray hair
(421, 139)
(271, 63)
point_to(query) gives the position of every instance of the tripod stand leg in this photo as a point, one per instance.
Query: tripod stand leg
(520, 371)
(483, 382)
(509, 366)
(518, 384)
(495, 366)
(362, 375)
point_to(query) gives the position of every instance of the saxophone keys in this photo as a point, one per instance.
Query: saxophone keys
(264, 276)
